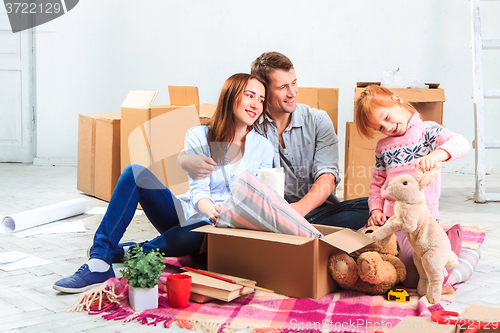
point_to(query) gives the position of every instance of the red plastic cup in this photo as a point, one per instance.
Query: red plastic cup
(178, 290)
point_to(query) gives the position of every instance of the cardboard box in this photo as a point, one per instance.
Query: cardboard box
(360, 152)
(476, 313)
(359, 162)
(290, 265)
(418, 325)
(153, 135)
(206, 112)
(484, 314)
(326, 99)
(428, 102)
(98, 167)
(183, 96)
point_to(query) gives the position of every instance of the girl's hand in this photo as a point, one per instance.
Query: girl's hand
(426, 163)
(376, 218)
(214, 213)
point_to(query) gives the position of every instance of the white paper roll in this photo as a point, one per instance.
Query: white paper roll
(274, 178)
(39, 216)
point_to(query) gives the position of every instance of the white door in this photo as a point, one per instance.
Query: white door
(16, 93)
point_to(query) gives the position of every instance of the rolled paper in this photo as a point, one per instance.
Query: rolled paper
(43, 215)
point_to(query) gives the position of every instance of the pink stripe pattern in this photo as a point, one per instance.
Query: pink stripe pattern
(254, 205)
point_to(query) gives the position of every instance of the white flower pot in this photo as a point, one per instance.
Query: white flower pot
(143, 298)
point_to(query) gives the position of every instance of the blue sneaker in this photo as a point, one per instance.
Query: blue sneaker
(82, 280)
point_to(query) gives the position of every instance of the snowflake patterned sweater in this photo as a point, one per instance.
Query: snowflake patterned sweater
(396, 155)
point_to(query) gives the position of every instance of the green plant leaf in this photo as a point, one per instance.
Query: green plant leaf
(142, 270)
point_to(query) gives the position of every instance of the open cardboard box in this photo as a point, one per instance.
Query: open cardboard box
(484, 314)
(290, 265)
(153, 135)
(428, 102)
(477, 313)
(360, 152)
(99, 143)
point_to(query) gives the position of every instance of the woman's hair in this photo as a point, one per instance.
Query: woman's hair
(374, 97)
(269, 61)
(222, 124)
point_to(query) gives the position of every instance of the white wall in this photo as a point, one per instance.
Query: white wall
(88, 59)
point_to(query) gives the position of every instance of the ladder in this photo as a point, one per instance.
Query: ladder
(479, 94)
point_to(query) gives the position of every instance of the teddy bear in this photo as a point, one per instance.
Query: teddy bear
(376, 270)
(431, 246)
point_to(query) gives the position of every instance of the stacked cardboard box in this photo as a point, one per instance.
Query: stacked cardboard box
(360, 152)
(103, 149)
(326, 99)
(153, 136)
(98, 165)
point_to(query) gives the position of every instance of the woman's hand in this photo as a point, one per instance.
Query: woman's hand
(208, 208)
(376, 218)
(214, 212)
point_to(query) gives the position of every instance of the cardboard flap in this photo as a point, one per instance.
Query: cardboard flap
(481, 313)
(254, 234)
(139, 99)
(183, 95)
(347, 240)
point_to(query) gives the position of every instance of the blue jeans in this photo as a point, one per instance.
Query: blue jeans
(351, 214)
(139, 185)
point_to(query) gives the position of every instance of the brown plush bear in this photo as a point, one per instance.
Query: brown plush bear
(377, 271)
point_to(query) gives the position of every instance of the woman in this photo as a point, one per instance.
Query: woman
(233, 145)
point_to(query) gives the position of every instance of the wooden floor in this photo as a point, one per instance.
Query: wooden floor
(29, 304)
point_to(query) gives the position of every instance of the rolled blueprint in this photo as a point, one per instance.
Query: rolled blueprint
(274, 178)
(39, 216)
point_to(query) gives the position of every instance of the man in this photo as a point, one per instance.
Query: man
(306, 146)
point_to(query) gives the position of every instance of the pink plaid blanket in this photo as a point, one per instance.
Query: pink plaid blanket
(343, 311)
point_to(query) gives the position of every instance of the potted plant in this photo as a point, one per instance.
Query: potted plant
(142, 270)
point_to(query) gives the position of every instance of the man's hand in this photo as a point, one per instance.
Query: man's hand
(376, 218)
(198, 166)
(300, 207)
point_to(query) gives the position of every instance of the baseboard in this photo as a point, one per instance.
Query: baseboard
(58, 161)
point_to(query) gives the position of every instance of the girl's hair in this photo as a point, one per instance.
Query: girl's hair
(222, 124)
(374, 97)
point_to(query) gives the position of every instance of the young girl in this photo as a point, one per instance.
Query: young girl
(410, 142)
(229, 139)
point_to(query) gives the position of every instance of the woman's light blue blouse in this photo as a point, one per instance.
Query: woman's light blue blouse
(258, 155)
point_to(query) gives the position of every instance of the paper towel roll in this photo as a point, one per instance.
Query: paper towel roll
(39, 216)
(274, 178)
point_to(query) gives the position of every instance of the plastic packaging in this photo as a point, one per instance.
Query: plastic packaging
(393, 79)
